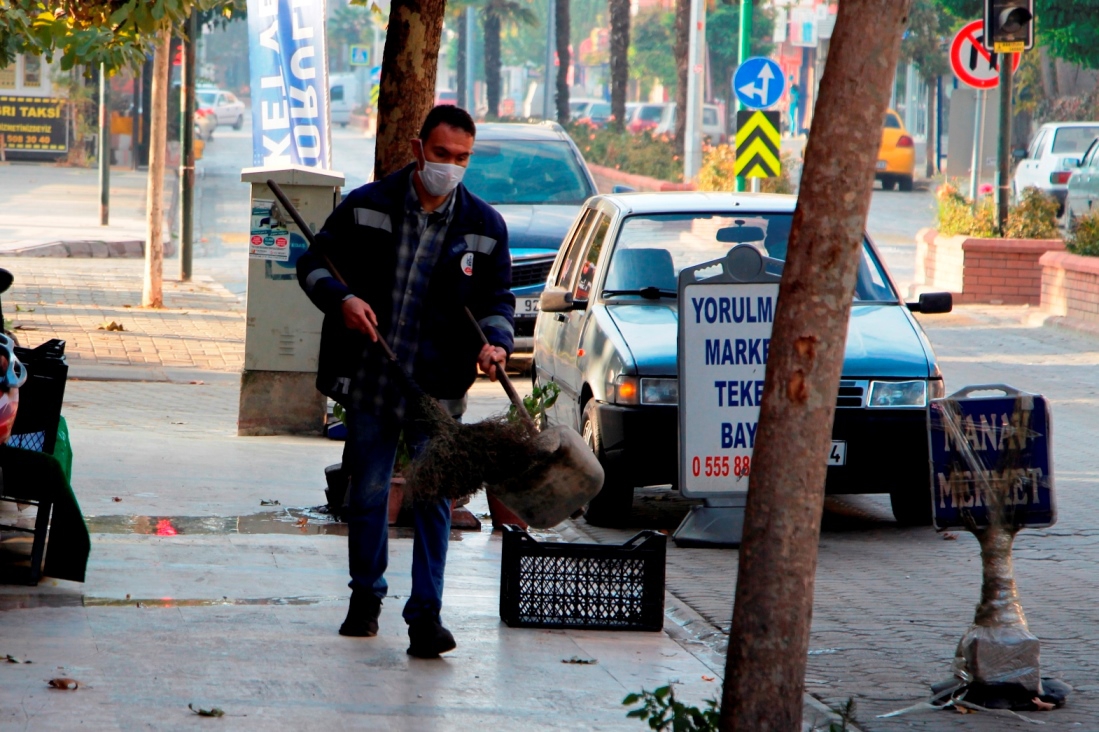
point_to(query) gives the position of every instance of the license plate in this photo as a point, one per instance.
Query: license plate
(881, 165)
(838, 455)
(526, 307)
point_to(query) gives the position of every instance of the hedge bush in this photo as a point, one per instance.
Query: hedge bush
(642, 154)
(1034, 217)
(1083, 238)
(716, 173)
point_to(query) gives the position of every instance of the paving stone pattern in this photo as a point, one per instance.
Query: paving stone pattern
(892, 603)
(201, 325)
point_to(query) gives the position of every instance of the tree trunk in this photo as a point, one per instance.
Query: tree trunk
(620, 65)
(564, 59)
(407, 90)
(765, 668)
(152, 293)
(932, 166)
(682, 49)
(492, 63)
(460, 87)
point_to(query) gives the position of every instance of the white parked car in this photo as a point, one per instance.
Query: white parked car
(713, 123)
(228, 110)
(1053, 155)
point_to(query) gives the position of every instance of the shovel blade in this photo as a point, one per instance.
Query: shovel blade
(572, 478)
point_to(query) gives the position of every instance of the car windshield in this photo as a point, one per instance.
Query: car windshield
(1073, 139)
(650, 113)
(206, 99)
(652, 249)
(527, 171)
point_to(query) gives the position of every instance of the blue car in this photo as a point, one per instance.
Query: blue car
(607, 335)
(535, 176)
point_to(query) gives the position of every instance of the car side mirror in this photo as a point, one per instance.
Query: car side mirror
(6, 278)
(933, 303)
(1019, 153)
(623, 189)
(556, 300)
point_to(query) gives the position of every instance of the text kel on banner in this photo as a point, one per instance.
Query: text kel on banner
(289, 77)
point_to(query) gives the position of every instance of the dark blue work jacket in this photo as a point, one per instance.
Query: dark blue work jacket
(361, 238)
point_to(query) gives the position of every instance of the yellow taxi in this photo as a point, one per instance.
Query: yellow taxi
(897, 156)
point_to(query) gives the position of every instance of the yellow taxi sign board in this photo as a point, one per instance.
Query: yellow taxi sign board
(757, 145)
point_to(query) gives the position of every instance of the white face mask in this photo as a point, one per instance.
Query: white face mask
(440, 179)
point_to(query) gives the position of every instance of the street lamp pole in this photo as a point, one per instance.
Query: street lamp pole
(551, 37)
(696, 43)
(744, 50)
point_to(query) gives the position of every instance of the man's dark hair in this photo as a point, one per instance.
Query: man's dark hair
(447, 114)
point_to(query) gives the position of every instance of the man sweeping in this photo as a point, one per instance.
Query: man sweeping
(415, 248)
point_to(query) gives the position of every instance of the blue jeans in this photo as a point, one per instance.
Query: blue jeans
(369, 453)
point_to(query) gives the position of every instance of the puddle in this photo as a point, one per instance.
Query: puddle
(296, 521)
(25, 601)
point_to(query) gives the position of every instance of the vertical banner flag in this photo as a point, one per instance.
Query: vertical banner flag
(289, 78)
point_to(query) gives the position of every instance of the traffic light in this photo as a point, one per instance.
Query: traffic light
(1009, 25)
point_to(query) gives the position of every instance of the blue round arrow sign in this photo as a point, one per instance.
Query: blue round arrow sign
(758, 82)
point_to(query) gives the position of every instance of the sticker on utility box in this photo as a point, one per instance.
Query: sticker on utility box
(269, 237)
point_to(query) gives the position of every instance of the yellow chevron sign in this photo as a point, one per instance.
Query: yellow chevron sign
(757, 145)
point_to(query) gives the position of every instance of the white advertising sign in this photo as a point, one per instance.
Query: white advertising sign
(726, 338)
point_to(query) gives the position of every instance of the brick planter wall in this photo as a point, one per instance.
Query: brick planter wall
(999, 271)
(607, 178)
(1070, 288)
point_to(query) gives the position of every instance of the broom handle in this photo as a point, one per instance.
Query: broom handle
(500, 373)
(308, 234)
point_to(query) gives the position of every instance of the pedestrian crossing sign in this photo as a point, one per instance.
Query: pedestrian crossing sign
(360, 56)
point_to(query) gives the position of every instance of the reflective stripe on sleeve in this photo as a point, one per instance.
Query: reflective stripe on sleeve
(314, 277)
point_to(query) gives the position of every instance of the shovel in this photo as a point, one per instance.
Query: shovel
(571, 474)
(574, 475)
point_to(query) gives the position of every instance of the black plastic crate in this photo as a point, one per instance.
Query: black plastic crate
(40, 398)
(589, 586)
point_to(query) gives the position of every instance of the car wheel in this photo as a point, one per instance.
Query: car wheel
(239, 123)
(905, 183)
(912, 507)
(613, 505)
(888, 183)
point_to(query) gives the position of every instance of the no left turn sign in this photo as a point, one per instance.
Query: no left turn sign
(973, 64)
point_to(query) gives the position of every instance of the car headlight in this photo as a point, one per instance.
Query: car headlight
(897, 394)
(625, 390)
(659, 391)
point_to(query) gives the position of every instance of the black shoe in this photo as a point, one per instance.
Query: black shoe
(428, 638)
(362, 616)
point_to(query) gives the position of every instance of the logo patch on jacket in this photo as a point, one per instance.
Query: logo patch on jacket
(467, 264)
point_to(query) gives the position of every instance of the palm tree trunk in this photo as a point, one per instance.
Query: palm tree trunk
(460, 87)
(492, 62)
(407, 90)
(564, 59)
(152, 294)
(682, 43)
(620, 65)
(932, 164)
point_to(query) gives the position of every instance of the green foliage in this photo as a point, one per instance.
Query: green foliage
(663, 712)
(652, 36)
(1034, 217)
(716, 173)
(116, 33)
(1083, 237)
(643, 154)
(957, 215)
(928, 25)
(536, 404)
(1066, 27)
(723, 22)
